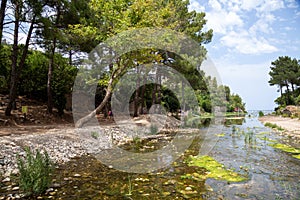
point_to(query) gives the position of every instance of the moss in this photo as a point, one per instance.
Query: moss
(214, 169)
(221, 135)
(297, 156)
(285, 148)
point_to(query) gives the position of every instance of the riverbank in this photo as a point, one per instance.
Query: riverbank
(291, 126)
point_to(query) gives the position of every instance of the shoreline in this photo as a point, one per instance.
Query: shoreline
(291, 126)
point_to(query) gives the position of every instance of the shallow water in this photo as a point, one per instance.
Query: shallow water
(274, 174)
(243, 148)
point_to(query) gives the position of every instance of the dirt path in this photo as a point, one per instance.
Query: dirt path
(291, 126)
(31, 129)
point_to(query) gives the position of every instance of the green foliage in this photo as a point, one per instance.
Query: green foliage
(37, 66)
(274, 126)
(95, 135)
(249, 137)
(63, 80)
(35, 172)
(261, 113)
(5, 54)
(285, 73)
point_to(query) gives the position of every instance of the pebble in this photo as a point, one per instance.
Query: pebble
(7, 179)
(49, 190)
(52, 193)
(188, 188)
(15, 188)
(77, 175)
(56, 185)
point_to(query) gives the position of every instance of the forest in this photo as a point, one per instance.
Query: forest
(44, 43)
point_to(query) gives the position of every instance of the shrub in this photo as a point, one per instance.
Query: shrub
(261, 114)
(35, 172)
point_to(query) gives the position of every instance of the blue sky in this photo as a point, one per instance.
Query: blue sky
(248, 36)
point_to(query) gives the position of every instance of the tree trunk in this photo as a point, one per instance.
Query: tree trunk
(182, 93)
(51, 62)
(293, 87)
(114, 75)
(159, 87)
(14, 60)
(137, 94)
(88, 117)
(143, 95)
(288, 93)
(50, 75)
(70, 57)
(2, 16)
(154, 91)
(17, 69)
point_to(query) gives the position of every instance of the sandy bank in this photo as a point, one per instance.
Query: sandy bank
(291, 126)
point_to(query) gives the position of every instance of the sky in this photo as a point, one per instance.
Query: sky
(248, 36)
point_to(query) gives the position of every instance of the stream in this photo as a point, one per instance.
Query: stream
(244, 148)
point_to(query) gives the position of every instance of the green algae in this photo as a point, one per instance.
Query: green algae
(286, 148)
(297, 156)
(214, 169)
(220, 135)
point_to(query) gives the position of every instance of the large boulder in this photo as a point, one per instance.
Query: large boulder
(291, 110)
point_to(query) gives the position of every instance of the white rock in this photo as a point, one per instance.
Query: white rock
(7, 179)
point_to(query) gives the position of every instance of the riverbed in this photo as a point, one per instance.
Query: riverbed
(245, 149)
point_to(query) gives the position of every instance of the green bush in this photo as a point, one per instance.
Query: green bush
(261, 114)
(35, 172)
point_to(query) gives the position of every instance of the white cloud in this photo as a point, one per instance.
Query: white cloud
(250, 4)
(263, 25)
(222, 21)
(291, 4)
(195, 5)
(244, 43)
(215, 5)
(270, 6)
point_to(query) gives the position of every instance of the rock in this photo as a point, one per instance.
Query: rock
(56, 185)
(52, 193)
(49, 190)
(77, 175)
(188, 188)
(7, 179)
(15, 188)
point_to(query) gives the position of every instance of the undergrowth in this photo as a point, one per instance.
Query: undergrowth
(34, 172)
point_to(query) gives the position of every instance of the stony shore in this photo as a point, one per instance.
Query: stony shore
(60, 144)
